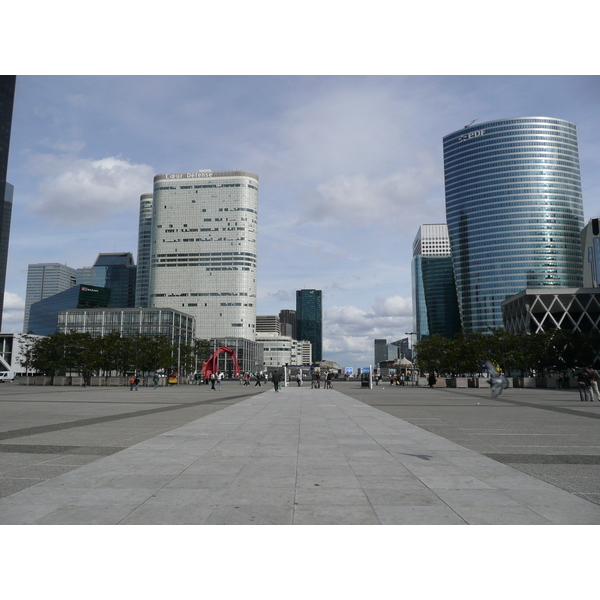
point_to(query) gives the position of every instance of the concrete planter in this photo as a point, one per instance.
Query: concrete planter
(457, 382)
(524, 382)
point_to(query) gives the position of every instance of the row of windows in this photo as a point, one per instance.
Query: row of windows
(251, 254)
(574, 200)
(207, 268)
(460, 145)
(212, 185)
(205, 294)
(490, 136)
(467, 183)
(524, 166)
(508, 150)
(522, 186)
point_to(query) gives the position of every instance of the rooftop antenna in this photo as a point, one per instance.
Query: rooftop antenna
(471, 123)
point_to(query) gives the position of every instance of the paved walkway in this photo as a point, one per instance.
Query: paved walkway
(297, 457)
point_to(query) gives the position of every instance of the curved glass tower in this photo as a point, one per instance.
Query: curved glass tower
(514, 212)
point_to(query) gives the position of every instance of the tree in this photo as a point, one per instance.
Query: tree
(433, 353)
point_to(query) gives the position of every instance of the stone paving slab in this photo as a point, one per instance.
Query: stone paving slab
(299, 457)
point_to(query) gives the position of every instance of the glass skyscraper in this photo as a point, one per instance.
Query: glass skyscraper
(45, 280)
(514, 212)
(143, 256)
(309, 320)
(435, 306)
(7, 97)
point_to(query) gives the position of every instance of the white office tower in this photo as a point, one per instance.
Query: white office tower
(44, 280)
(203, 253)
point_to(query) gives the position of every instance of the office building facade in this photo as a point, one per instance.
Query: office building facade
(514, 212)
(435, 304)
(43, 316)
(287, 319)
(204, 249)
(7, 98)
(268, 324)
(127, 322)
(279, 350)
(5, 217)
(45, 280)
(143, 256)
(116, 271)
(537, 310)
(309, 320)
(590, 249)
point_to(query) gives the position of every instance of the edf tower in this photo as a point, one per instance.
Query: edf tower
(514, 212)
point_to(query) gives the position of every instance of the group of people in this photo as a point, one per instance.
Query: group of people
(245, 379)
(398, 379)
(587, 382)
(316, 379)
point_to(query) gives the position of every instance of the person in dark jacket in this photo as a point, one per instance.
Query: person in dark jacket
(276, 379)
(431, 379)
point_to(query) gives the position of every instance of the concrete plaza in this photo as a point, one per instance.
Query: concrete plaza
(249, 455)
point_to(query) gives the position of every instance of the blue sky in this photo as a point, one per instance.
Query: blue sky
(349, 167)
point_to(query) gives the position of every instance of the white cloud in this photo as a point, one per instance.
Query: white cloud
(13, 301)
(360, 200)
(12, 315)
(83, 191)
(349, 330)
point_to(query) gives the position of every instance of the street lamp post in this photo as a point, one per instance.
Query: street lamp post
(412, 375)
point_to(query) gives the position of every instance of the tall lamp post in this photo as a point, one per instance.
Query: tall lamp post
(412, 375)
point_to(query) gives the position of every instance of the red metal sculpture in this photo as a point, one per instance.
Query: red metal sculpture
(212, 364)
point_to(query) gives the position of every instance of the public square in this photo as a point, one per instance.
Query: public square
(248, 455)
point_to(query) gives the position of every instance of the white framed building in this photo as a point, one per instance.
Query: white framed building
(280, 350)
(204, 248)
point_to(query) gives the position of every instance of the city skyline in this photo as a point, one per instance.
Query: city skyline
(350, 167)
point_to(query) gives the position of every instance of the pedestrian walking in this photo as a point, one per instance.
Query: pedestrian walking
(593, 377)
(318, 378)
(299, 380)
(258, 376)
(276, 379)
(131, 383)
(431, 380)
(213, 378)
(136, 383)
(330, 381)
(218, 380)
(155, 380)
(583, 383)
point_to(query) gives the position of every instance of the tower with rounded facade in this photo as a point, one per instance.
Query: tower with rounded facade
(203, 250)
(514, 211)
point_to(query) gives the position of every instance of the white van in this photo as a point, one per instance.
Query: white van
(6, 376)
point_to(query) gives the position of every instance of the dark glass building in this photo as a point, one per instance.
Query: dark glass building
(309, 320)
(514, 212)
(435, 306)
(7, 98)
(43, 315)
(114, 270)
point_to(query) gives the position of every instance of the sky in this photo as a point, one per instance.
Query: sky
(341, 112)
(349, 167)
